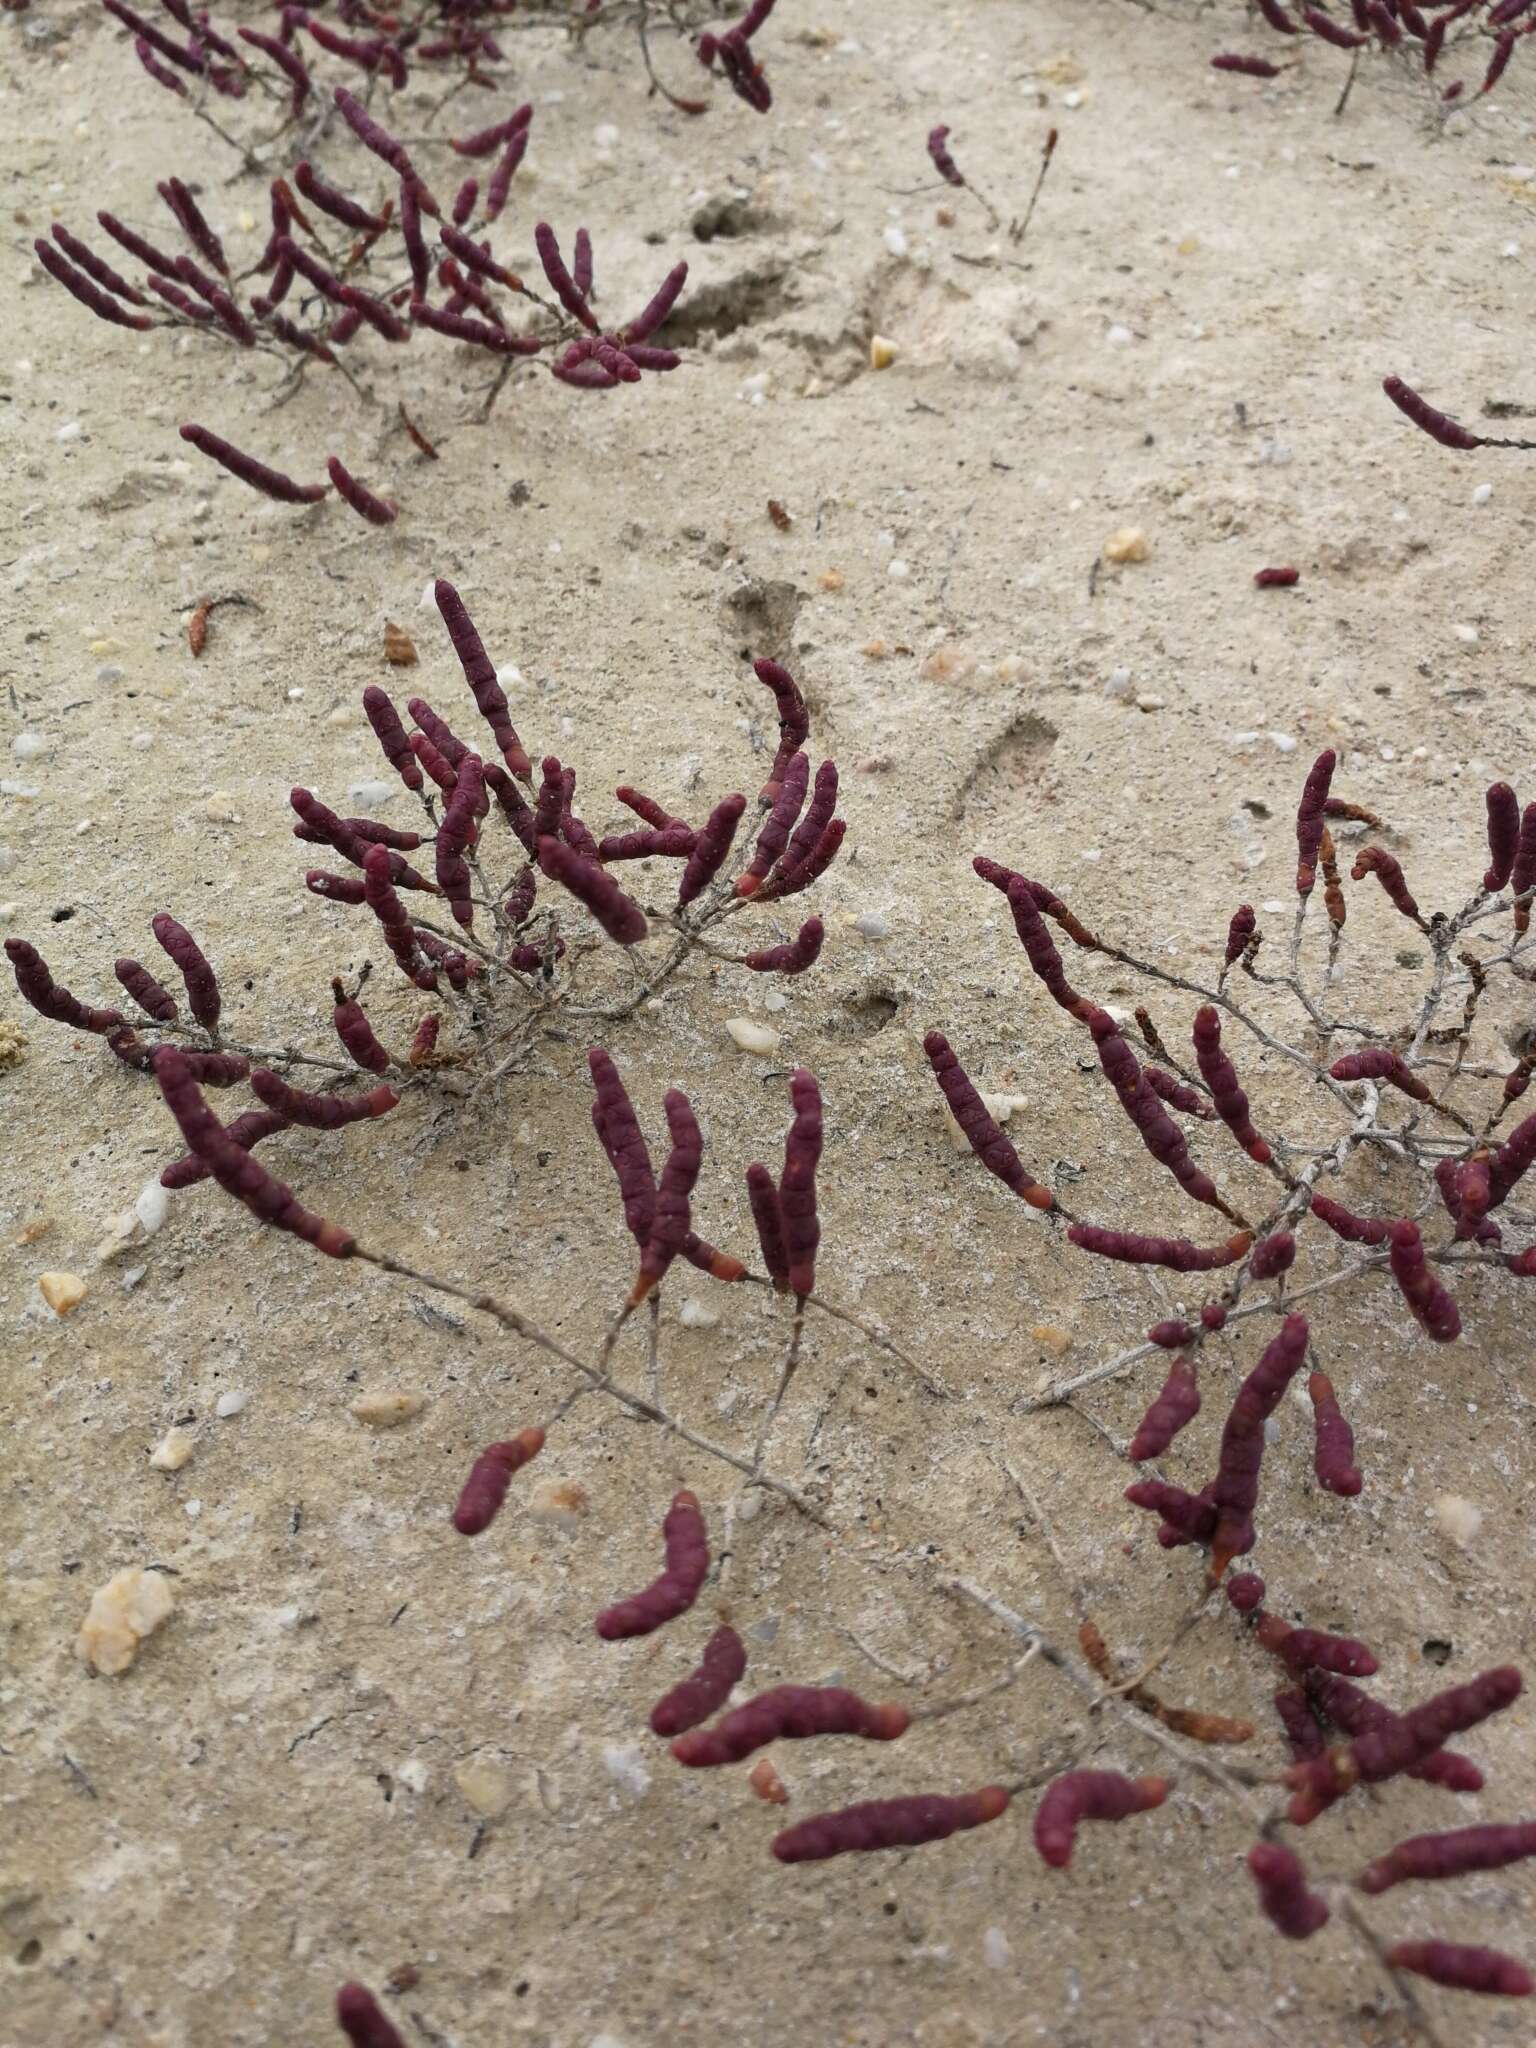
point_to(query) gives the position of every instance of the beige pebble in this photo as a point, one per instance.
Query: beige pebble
(562, 1501)
(1126, 544)
(13, 1047)
(387, 1411)
(173, 1450)
(949, 664)
(107, 646)
(61, 1291)
(882, 352)
(752, 1036)
(485, 1787)
(32, 1230)
(129, 1607)
(874, 650)
(1051, 1337)
(766, 1782)
(220, 808)
(831, 580)
(1461, 1520)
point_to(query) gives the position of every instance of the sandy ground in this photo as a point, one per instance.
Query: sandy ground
(1191, 343)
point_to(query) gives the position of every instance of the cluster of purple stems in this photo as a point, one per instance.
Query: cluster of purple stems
(1427, 37)
(339, 268)
(506, 940)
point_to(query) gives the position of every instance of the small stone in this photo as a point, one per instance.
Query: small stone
(996, 1950)
(233, 1403)
(899, 569)
(63, 1292)
(831, 580)
(387, 1411)
(151, 1206)
(1119, 336)
(1150, 701)
(949, 664)
(399, 647)
(1482, 494)
(882, 352)
(128, 1608)
(766, 1783)
(1461, 1520)
(896, 245)
(561, 1501)
(696, 1315)
(1119, 683)
(191, 1509)
(27, 746)
(1051, 1337)
(220, 809)
(751, 1036)
(34, 1228)
(869, 924)
(13, 1040)
(1467, 635)
(1126, 544)
(625, 1764)
(485, 1788)
(874, 650)
(173, 1450)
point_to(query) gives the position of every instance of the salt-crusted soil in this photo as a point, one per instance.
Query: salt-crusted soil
(362, 1744)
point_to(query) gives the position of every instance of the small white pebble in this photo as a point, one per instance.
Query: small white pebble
(775, 1000)
(1482, 494)
(1119, 683)
(85, 825)
(898, 568)
(693, 1315)
(191, 1509)
(151, 1205)
(70, 431)
(751, 1036)
(1072, 101)
(1093, 853)
(1467, 635)
(173, 1450)
(1119, 337)
(297, 692)
(996, 1951)
(896, 244)
(414, 1776)
(869, 924)
(234, 1403)
(626, 1766)
(220, 808)
(1281, 742)
(1460, 1519)
(428, 598)
(1150, 701)
(371, 792)
(27, 746)
(1273, 907)
(605, 135)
